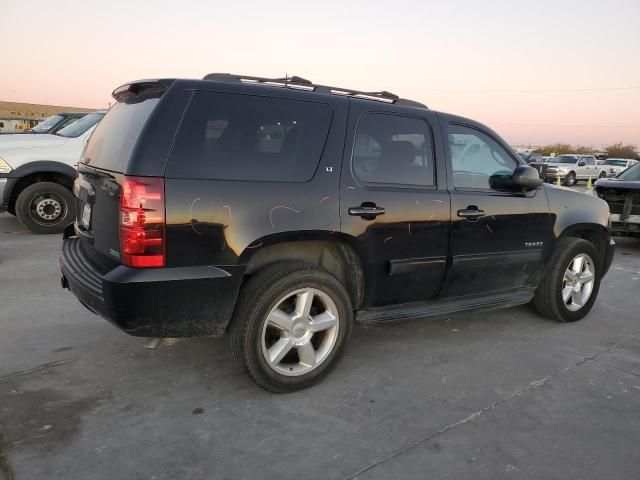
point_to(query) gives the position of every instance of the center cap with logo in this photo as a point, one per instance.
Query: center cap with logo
(299, 329)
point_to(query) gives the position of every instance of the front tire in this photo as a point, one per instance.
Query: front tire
(568, 291)
(45, 207)
(291, 326)
(570, 179)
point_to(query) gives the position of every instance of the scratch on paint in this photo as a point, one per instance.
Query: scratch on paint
(493, 218)
(410, 229)
(276, 208)
(323, 199)
(417, 202)
(489, 228)
(387, 239)
(431, 216)
(228, 207)
(351, 188)
(438, 201)
(255, 246)
(191, 216)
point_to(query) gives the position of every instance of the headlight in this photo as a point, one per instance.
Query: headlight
(4, 166)
(562, 171)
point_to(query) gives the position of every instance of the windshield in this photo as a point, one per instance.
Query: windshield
(78, 128)
(616, 163)
(47, 124)
(565, 159)
(631, 174)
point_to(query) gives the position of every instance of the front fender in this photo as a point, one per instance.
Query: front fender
(40, 166)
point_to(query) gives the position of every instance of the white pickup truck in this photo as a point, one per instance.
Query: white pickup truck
(616, 166)
(37, 174)
(574, 167)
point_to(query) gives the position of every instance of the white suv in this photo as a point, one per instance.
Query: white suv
(574, 167)
(37, 174)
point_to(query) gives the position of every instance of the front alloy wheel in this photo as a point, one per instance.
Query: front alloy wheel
(570, 287)
(577, 284)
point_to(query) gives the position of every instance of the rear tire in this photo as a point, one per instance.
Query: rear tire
(270, 313)
(549, 300)
(45, 207)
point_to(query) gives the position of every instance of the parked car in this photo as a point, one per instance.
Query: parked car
(277, 211)
(37, 174)
(572, 168)
(52, 124)
(57, 122)
(531, 158)
(623, 196)
(616, 166)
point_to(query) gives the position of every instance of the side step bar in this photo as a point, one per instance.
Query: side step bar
(437, 308)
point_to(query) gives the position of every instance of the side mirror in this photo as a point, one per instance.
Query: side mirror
(582, 164)
(522, 178)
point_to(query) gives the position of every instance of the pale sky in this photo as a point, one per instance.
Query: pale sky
(538, 71)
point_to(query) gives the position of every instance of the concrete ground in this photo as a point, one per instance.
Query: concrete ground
(504, 394)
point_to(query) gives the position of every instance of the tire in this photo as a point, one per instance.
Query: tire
(253, 337)
(46, 207)
(570, 179)
(548, 299)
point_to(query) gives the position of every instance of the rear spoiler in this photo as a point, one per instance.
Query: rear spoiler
(140, 90)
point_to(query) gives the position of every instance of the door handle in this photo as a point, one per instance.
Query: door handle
(471, 212)
(367, 211)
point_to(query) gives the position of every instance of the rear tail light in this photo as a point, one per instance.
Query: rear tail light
(142, 222)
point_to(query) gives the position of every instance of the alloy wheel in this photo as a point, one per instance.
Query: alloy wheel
(300, 332)
(577, 283)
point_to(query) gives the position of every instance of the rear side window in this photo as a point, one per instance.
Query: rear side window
(114, 138)
(393, 149)
(244, 137)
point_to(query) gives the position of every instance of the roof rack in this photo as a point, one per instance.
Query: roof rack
(300, 83)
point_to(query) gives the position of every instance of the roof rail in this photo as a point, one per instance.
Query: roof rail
(300, 83)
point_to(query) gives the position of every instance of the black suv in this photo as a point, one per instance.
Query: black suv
(277, 211)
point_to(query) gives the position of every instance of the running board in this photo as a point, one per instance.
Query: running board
(437, 308)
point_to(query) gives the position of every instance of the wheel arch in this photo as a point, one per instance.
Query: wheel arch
(332, 251)
(594, 233)
(40, 171)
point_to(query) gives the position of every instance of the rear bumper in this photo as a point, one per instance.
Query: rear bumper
(153, 302)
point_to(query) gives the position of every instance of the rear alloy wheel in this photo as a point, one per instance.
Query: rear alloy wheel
(45, 207)
(570, 179)
(569, 290)
(291, 326)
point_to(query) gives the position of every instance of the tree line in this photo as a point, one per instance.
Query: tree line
(616, 150)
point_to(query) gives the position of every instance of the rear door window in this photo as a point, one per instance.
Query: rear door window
(244, 137)
(393, 149)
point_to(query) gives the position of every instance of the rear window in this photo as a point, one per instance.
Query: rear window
(243, 137)
(115, 136)
(77, 128)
